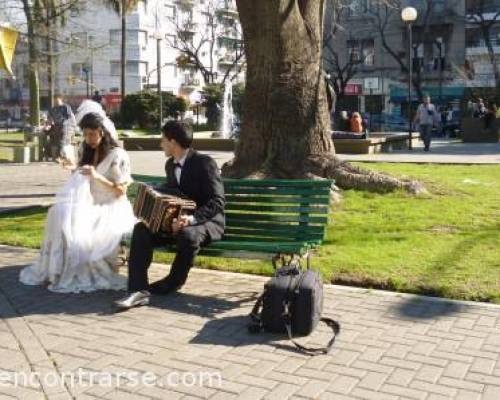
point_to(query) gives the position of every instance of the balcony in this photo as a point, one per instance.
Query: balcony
(190, 82)
(229, 8)
(185, 5)
(187, 28)
(227, 61)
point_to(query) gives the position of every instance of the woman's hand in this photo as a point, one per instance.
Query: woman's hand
(67, 164)
(89, 170)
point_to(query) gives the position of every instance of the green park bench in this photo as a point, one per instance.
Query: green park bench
(269, 219)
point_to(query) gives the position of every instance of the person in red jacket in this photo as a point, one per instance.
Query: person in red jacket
(356, 123)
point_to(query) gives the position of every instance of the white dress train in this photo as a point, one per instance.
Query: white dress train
(83, 232)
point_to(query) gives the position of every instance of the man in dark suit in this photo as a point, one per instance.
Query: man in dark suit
(197, 177)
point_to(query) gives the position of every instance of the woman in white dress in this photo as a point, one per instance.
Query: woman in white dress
(91, 213)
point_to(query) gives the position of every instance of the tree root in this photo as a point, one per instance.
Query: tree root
(346, 176)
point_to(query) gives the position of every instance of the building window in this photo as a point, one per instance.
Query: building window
(77, 70)
(353, 50)
(135, 68)
(368, 51)
(170, 12)
(79, 39)
(115, 68)
(133, 36)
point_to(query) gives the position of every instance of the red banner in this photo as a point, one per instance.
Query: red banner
(353, 89)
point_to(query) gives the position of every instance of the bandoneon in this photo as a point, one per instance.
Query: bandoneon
(158, 210)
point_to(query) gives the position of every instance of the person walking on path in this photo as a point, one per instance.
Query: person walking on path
(63, 124)
(426, 118)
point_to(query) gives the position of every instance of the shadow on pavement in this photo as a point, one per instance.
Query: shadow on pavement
(421, 308)
(37, 300)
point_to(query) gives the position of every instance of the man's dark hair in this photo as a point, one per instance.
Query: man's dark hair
(179, 131)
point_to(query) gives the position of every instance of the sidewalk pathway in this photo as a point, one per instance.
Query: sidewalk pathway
(24, 185)
(391, 347)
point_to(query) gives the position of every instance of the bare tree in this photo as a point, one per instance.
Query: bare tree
(202, 50)
(340, 69)
(484, 14)
(36, 12)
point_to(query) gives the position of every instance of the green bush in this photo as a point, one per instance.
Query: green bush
(141, 109)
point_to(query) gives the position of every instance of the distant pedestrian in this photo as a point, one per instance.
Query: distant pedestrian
(97, 97)
(63, 124)
(356, 123)
(426, 117)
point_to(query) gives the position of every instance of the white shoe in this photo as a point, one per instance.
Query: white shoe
(135, 299)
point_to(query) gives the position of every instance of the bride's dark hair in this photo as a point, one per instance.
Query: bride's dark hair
(95, 121)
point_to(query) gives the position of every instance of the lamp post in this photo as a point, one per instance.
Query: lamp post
(158, 38)
(409, 15)
(439, 43)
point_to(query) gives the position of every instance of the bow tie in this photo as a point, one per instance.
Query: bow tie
(177, 165)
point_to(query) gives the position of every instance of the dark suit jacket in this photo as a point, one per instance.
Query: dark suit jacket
(201, 182)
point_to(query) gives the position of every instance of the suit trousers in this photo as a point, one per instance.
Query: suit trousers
(188, 242)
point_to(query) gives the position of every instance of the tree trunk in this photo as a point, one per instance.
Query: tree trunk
(32, 68)
(285, 130)
(50, 60)
(285, 118)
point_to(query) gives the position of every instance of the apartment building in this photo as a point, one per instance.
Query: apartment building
(438, 51)
(478, 61)
(88, 49)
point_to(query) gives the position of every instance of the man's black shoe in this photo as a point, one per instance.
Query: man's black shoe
(159, 287)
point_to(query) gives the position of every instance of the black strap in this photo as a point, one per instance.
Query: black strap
(256, 326)
(316, 350)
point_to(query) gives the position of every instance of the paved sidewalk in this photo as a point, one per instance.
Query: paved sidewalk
(391, 347)
(443, 151)
(23, 185)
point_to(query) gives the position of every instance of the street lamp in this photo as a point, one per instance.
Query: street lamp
(158, 38)
(409, 15)
(439, 43)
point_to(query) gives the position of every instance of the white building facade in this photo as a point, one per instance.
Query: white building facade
(92, 59)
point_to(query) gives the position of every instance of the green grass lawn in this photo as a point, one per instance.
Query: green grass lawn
(445, 243)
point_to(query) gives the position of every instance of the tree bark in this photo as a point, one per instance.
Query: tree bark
(285, 117)
(285, 130)
(34, 84)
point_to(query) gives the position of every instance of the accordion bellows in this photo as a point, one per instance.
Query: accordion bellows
(158, 210)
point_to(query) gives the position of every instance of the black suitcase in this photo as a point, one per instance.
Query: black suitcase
(292, 302)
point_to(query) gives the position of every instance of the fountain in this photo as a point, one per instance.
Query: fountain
(227, 111)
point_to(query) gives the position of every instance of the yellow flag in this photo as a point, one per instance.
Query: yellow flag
(8, 38)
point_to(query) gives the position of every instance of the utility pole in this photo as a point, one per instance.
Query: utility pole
(124, 48)
(158, 38)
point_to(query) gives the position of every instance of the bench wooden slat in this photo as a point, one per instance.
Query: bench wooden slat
(292, 183)
(277, 191)
(274, 226)
(296, 233)
(233, 218)
(276, 208)
(267, 247)
(305, 200)
(250, 239)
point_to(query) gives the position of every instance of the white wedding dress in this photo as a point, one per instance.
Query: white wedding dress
(83, 232)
